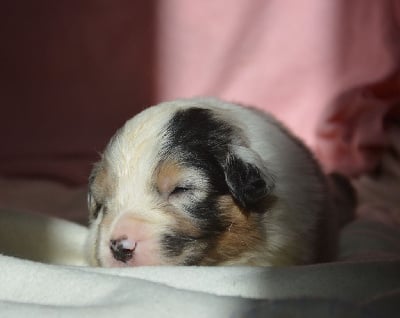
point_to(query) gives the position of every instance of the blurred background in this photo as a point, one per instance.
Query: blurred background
(72, 72)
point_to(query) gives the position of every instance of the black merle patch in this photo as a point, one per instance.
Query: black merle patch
(197, 139)
(200, 140)
(175, 244)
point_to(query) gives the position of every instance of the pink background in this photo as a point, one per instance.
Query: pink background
(73, 71)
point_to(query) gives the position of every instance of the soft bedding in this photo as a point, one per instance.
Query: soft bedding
(44, 274)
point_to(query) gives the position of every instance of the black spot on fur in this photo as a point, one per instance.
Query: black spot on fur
(174, 244)
(198, 127)
(198, 139)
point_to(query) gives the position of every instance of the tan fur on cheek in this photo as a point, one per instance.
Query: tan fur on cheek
(243, 235)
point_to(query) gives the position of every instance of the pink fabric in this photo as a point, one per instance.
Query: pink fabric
(378, 195)
(292, 58)
(354, 131)
(72, 73)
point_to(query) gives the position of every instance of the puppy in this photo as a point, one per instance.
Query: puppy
(206, 182)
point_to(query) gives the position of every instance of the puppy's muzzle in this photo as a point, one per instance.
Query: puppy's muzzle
(122, 249)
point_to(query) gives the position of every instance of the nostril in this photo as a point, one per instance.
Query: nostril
(122, 248)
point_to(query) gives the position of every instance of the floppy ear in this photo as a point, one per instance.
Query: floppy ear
(248, 180)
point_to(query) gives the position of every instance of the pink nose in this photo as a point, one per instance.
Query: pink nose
(122, 248)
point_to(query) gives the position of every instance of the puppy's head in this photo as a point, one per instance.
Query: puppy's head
(179, 186)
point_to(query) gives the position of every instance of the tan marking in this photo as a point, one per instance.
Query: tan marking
(243, 235)
(167, 177)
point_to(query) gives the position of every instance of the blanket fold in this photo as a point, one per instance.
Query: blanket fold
(47, 276)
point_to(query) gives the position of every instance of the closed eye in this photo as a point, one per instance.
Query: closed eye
(97, 210)
(180, 190)
(186, 192)
(94, 206)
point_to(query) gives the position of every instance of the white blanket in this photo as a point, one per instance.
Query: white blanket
(56, 282)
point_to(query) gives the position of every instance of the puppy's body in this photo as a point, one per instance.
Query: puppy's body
(205, 182)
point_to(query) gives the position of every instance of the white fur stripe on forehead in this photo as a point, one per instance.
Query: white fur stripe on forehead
(137, 143)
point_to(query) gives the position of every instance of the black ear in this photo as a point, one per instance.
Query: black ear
(248, 182)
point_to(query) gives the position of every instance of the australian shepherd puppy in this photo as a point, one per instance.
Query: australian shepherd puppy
(206, 182)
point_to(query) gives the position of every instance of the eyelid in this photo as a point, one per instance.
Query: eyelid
(97, 209)
(94, 205)
(180, 189)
